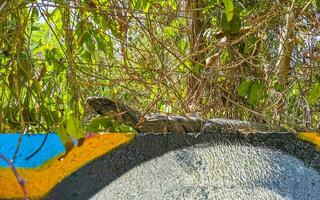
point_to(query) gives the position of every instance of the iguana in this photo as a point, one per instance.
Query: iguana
(161, 123)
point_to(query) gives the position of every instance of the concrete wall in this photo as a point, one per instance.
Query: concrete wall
(207, 166)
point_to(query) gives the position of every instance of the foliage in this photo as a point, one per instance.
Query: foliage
(103, 124)
(218, 58)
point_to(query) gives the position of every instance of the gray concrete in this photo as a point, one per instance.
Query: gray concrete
(217, 172)
(210, 166)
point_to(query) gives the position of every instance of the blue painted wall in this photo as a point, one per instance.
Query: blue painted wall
(30, 143)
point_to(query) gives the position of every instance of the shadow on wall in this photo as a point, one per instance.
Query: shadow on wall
(212, 165)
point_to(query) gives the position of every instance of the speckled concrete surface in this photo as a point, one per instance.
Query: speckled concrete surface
(210, 166)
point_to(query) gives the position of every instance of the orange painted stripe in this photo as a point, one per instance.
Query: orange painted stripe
(39, 181)
(311, 137)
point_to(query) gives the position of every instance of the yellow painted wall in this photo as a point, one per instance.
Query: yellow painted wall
(311, 137)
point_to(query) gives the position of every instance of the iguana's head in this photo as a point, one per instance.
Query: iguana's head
(103, 106)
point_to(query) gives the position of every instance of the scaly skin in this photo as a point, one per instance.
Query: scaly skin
(107, 107)
(160, 123)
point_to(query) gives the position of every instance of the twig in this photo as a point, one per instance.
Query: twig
(39, 148)
(18, 176)
(18, 145)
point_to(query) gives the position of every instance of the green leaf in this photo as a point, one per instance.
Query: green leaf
(221, 78)
(224, 22)
(228, 4)
(249, 45)
(314, 94)
(139, 4)
(225, 57)
(165, 108)
(62, 134)
(47, 115)
(104, 23)
(122, 128)
(74, 127)
(169, 31)
(97, 19)
(34, 14)
(58, 66)
(235, 24)
(255, 93)
(244, 88)
(90, 44)
(82, 37)
(146, 6)
(213, 2)
(48, 56)
(35, 28)
(86, 55)
(99, 124)
(197, 69)
(102, 45)
(278, 87)
(110, 52)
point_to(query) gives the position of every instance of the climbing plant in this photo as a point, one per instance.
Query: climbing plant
(244, 59)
